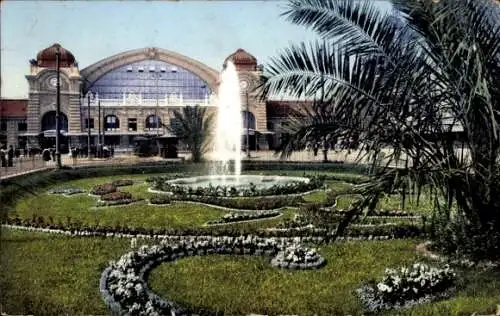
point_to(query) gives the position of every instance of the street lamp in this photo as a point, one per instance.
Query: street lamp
(157, 76)
(89, 95)
(244, 86)
(58, 109)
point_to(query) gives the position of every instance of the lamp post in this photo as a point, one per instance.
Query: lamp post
(58, 110)
(248, 125)
(98, 127)
(103, 123)
(157, 77)
(89, 94)
(244, 86)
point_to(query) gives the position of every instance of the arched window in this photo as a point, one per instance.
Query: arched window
(248, 120)
(153, 122)
(49, 121)
(111, 123)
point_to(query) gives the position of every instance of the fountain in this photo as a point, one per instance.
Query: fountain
(228, 135)
(229, 124)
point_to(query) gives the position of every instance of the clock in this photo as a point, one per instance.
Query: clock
(53, 82)
(243, 85)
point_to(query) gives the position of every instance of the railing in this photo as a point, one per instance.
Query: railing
(169, 102)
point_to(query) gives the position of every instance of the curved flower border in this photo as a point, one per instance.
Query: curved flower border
(123, 283)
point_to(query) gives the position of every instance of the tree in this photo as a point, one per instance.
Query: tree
(193, 128)
(407, 80)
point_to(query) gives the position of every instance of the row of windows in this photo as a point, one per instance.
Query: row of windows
(21, 126)
(112, 123)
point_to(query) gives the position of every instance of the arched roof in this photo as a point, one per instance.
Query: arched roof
(100, 68)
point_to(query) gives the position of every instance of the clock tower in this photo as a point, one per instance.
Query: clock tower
(42, 82)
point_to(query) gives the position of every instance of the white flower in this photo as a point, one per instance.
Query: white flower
(383, 288)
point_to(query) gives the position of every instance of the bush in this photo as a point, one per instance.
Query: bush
(408, 286)
(460, 237)
(103, 189)
(161, 199)
(117, 196)
(122, 182)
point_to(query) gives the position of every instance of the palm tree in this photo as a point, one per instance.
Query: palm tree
(193, 128)
(406, 80)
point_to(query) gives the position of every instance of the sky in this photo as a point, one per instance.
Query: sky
(207, 31)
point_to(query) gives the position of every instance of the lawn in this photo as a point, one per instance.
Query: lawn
(242, 285)
(53, 275)
(81, 208)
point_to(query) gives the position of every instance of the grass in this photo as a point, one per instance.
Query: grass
(80, 208)
(52, 275)
(238, 285)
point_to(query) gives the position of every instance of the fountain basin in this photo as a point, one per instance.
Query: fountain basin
(241, 181)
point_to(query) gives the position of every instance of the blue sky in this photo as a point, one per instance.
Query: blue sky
(92, 30)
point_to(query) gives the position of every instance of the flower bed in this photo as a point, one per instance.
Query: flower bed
(102, 189)
(295, 257)
(124, 286)
(160, 199)
(66, 191)
(122, 182)
(418, 284)
(116, 198)
(232, 191)
(238, 217)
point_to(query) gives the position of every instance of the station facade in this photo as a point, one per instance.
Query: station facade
(129, 95)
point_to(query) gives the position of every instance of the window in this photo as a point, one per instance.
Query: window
(111, 123)
(3, 126)
(22, 126)
(132, 124)
(153, 122)
(87, 123)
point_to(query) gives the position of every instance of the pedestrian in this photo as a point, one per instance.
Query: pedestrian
(315, 148)
(3, 159)
(10, 156)
(53, 154)
(74, 155)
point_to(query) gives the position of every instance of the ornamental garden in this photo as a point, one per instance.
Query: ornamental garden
(125, 240)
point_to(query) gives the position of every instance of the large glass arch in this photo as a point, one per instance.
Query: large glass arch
(151, 79)
(49, 121)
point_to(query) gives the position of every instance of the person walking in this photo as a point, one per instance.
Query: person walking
(10, 156)
(3, 158)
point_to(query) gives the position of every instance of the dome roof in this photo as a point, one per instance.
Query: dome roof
(47, 57)
(242, 60)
